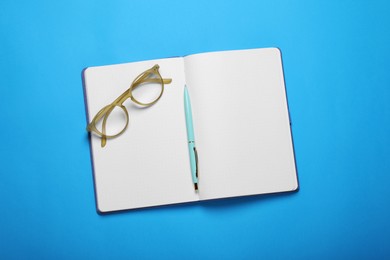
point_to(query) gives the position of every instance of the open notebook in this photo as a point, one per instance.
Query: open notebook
(241, 125)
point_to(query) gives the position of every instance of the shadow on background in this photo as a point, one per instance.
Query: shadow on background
(244, 201)
(213, 205)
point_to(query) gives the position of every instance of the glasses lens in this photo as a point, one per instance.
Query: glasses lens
(116, 122)
(149, 90)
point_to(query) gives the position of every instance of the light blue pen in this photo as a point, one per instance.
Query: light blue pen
(191, 139)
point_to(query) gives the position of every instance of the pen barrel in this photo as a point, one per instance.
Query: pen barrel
(192, 153)
(188, 113)
(190, 135)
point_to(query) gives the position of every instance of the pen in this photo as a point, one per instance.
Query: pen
(191, 139)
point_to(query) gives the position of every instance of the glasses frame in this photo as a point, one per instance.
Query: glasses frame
(105, 112)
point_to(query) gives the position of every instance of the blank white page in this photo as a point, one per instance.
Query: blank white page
(242, 128)
(148, 164)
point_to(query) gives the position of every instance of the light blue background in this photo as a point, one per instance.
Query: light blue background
(336, 62)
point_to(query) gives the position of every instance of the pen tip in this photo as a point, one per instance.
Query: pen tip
(196, 186)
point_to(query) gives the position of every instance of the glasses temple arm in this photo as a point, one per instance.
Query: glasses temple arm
(154, 80)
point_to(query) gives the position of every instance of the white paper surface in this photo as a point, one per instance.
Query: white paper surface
(148, 164)
(242, 128)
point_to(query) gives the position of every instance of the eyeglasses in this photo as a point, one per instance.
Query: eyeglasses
(150, 87)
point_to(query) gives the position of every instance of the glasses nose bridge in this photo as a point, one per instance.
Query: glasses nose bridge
(122, 98)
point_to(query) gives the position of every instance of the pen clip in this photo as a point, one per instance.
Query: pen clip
(196, 162)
